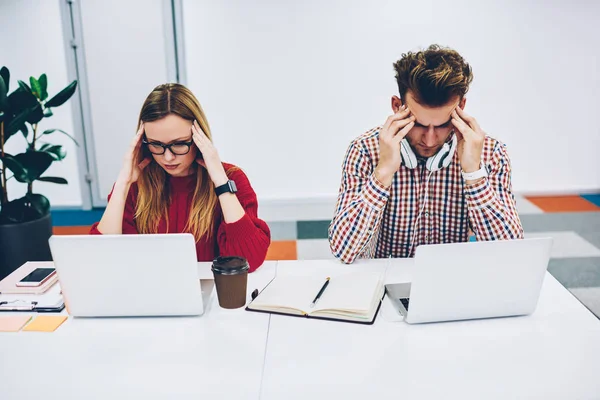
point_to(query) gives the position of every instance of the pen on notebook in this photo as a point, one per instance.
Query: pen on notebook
(320, 293)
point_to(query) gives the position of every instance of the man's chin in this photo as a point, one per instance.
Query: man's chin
(426, 153)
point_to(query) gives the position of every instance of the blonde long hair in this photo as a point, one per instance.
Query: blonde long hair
(154, 196)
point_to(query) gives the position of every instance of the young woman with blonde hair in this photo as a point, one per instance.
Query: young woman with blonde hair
(173, 181)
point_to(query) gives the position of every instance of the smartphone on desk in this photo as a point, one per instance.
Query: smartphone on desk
(37, 277)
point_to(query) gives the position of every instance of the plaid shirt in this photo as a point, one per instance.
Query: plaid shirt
(372, 221)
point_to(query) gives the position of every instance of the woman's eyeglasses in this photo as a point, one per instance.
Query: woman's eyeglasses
(177, 148)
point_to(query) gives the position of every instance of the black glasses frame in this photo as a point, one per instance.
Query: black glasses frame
(168, 146)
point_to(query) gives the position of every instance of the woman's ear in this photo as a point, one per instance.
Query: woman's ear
(462, 103)
(396, 104)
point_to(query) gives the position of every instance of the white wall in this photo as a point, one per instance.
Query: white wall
(32, 44)
(125, 54)
(287, 85)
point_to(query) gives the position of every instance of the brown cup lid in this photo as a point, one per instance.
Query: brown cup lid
(232, 265)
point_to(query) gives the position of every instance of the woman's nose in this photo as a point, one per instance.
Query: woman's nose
(169, 156)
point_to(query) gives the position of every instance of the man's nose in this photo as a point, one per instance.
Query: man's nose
(429, 139)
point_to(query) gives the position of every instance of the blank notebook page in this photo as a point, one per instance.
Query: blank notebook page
(290, 291)
(352, 291)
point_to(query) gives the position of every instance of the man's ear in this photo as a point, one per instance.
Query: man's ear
(396, 103)
(462, 103)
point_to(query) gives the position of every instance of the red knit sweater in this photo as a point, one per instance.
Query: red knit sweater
(249, 237)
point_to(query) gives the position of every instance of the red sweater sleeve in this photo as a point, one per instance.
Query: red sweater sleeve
(249, 237)
(128, 213)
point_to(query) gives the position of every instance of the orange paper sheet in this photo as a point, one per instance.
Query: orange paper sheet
(13, 323)
(45, 323)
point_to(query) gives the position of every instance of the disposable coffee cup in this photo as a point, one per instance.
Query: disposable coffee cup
(231, 280)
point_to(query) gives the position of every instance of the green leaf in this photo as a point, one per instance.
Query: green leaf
(56, 151)
(35, 163)
(47, 112)
(15, 167)
(44, 86)
(3, 95)
(36, 88)
(16, 123)
(49, 131)
(63, 95)
(53, 179)
(36, 114)
(20, 100)
(39, 203)
(24, 87)
(25, 131)
(5, 74)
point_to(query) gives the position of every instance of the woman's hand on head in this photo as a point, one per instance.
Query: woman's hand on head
(132, 166)
(209, 156)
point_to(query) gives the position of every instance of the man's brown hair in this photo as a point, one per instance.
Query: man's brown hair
(434, 76)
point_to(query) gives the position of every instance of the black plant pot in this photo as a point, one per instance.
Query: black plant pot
(24, 242)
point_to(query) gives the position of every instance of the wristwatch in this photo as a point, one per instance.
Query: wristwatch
(229, 187)
(471, 176)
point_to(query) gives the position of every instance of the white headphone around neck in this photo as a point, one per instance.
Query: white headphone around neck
(439, 160)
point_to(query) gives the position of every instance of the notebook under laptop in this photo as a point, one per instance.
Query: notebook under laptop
(128, 275)
(473, 280)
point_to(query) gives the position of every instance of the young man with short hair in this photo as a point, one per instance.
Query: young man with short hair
(429, 174)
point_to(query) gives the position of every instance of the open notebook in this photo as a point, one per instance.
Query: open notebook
(351, 297)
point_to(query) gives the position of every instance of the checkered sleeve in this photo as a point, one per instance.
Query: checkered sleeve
(491, 203)
(361, 201)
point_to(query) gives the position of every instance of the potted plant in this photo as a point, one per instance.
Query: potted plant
(25, 223)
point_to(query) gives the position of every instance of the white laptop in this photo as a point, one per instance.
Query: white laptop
(128, 275)
(473, 280)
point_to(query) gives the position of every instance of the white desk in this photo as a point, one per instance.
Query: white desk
(552, 354)
(216, 356)
(234, 354)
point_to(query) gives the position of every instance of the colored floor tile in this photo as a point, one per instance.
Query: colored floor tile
(524, 206)
(71, 230)
(313, 229)
(590, 297)
(567, 244)
(569, 221)
(314, 249)
(563, 204)
(594, 198)
(282, 250)
(73, 217)
(283, 230)
(576, 272)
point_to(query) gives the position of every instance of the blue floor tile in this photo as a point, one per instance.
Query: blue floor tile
(76, 217)
(594, 198)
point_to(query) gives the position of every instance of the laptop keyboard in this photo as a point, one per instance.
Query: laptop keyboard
(404, 303)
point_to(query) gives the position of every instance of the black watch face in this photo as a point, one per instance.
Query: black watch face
(232, 187)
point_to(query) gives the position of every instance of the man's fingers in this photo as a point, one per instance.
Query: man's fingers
(472, 122)
(403, 132)
(459, 135)
(461, 125)
(398, 125)
(402, 113)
